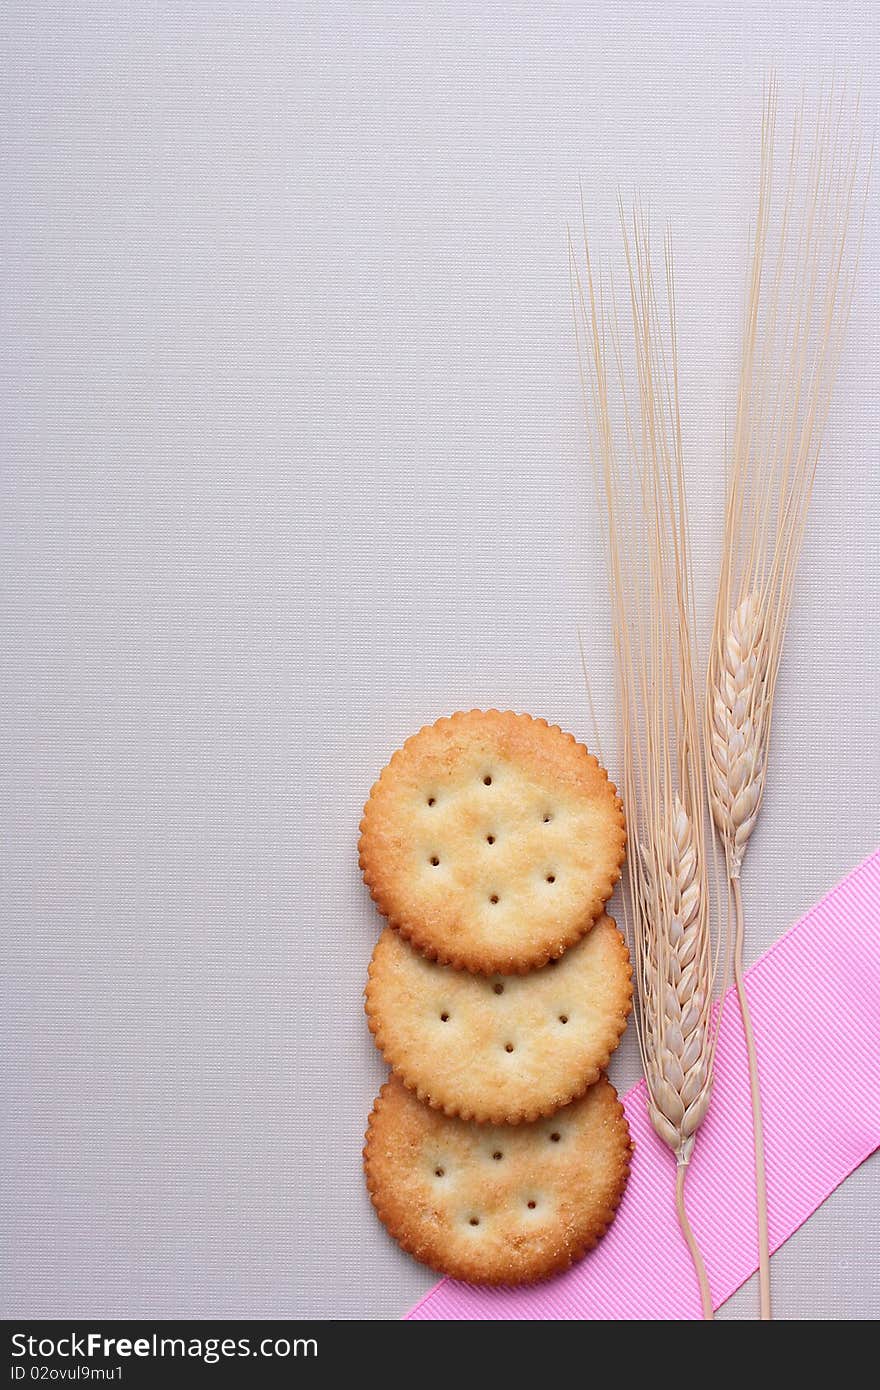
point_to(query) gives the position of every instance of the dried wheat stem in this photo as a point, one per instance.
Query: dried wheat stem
(693, 1247)
(757, 1110)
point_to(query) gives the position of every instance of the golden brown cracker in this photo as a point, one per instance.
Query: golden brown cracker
(492, 841)
(497, 1205)
(500, 1049)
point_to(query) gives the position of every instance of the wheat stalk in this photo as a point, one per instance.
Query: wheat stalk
(666, 901)
(799, 295)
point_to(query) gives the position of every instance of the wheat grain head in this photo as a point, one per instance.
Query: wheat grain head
(737, 713)
(642, 495)
(804, 259)
(675, 1000)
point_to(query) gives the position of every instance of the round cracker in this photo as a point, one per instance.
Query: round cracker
(497, 1205)
(500, 1049)
(492, 841)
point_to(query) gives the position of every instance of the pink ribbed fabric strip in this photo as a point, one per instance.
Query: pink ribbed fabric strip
(815, 1000)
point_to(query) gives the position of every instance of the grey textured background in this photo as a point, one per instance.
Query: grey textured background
(292, 464)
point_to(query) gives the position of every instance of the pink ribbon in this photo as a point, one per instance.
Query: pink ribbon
(815, 1000)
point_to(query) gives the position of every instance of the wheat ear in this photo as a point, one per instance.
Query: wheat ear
(677, 1043)
(797, 308)
(736, 751)
(677, 1067)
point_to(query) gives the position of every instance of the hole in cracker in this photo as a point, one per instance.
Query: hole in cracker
(490, 839)
(497, 1155)
(494, 898)
(547, 818)
(499, 988)
(531, 1205)
(474, 1221)
(551, 878)
(434, 860)
(508, 1047)
(555, 1136)
(487, 780)
(444, 1018)
(431, 800)
(438, 1172)
(563, 1018)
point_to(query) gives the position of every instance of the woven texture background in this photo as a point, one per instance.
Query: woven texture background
(292, 464)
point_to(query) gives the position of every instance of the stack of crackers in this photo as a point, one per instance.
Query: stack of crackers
(498, 1151)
